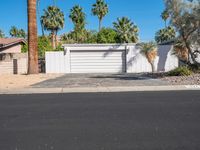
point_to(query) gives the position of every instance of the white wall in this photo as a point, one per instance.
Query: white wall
(165, 61)
(59, 62)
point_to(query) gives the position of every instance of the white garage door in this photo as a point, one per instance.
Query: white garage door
(97, 61)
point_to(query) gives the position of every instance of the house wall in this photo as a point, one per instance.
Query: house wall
(12, 49)
(135, 62)
(9, 66)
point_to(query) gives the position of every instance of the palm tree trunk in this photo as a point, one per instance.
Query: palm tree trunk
(152, 67)
(56, 40)
(100, 20)
(53, 40)
(32, 38)
(42, 27)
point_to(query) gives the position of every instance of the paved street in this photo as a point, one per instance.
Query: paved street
(101, 121)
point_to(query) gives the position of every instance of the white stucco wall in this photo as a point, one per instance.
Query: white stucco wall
(135, 62)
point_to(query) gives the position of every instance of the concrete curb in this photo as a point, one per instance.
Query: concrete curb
(100, 89)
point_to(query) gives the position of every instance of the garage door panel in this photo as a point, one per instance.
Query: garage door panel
(97, 67)
(96, 71)
(95, 57)
(97, 62)
(93, 54)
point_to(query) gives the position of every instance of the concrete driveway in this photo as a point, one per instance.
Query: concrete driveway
(100, 80)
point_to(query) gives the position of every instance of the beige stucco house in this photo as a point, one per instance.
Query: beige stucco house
(11, 45)
(12, 61)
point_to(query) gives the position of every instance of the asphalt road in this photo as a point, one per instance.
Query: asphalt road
(101, 121)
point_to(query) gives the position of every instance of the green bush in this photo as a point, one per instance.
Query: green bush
(180, 71)
(107, 35)
(44, 44)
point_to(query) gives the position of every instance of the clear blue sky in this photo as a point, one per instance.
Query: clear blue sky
(145, 13)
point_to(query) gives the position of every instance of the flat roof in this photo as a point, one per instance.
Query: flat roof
(94, 45)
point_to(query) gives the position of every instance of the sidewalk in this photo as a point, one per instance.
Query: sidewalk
(100, 89)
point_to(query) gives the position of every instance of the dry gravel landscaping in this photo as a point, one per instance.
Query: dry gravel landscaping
(193, 79)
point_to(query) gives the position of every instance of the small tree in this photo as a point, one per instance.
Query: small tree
(150, 52)
(185, 18)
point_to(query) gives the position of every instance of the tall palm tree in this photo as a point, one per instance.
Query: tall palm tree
(126, 30)
(78, 18)
(100, 9)
(165, 16)
(53, 20)
(32, 38)
(1, 34)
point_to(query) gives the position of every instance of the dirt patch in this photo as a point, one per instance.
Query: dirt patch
(23, 81)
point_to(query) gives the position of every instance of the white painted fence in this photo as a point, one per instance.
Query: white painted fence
(107, 58)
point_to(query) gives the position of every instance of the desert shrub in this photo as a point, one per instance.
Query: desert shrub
(195, 68)
(180, 71)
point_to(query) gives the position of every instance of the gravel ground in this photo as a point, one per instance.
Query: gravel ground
(183, 80)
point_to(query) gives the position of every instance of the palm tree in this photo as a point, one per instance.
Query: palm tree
(1, 34)
(165, 16)
(78, 18)
(100, 9)
(165, 35)
(14, 31)
(53, 20)
(126, 30)
(21, 33)
(150, 52)
(32, 38)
